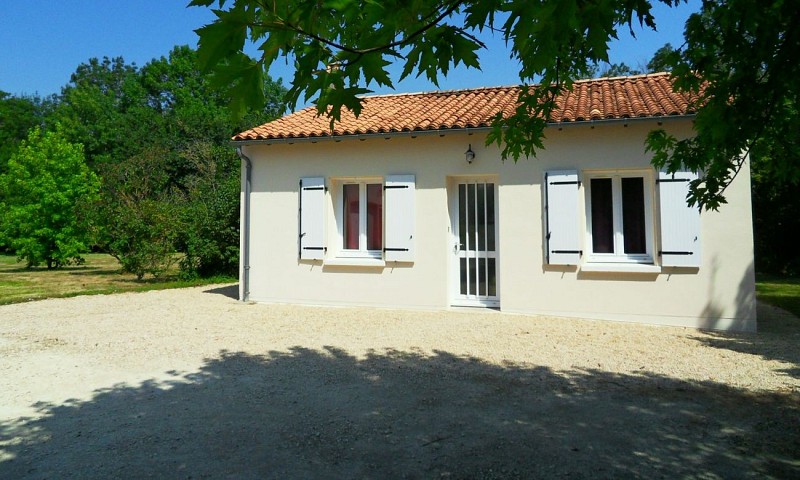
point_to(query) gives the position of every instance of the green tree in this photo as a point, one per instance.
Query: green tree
(190, 110)
(39, 196)
(93, 109)
(210, 234)
(136, 217)
(776, 221)
(739, 58)
(663, 59)
(18, 114)
(145, 130)
(618, 70)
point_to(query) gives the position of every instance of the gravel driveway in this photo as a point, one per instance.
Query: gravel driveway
(192, 384)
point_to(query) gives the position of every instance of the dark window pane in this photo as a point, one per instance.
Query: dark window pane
(351, 213)
(481, 217)
(473, 277)
(602, 216)
(633, 227)
(492, 278)
(463, 268)
(462, 216)
(482, 276)
(471, 216)
(490, 217)
(374, 217)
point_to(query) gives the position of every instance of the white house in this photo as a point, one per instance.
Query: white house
(407, 207)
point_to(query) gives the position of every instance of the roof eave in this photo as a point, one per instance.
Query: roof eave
(444, 131)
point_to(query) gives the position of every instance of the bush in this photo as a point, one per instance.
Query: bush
(210, 235)
(138, 215)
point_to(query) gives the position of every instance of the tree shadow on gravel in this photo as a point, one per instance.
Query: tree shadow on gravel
(398, 414)
(778, 338)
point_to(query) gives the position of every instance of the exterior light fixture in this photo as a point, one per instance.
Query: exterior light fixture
(470, 154)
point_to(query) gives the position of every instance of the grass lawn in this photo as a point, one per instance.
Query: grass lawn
(100, 274)
(779, 291)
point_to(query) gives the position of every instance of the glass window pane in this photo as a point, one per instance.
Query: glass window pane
(473, 277)
(633, 227)
(471, 216)
(463, 271)
(481, 217)
(490, 217)
(602, 216)
(351, 204)
(462, 216)
(492, 278)
(482, 276)
(374, 216)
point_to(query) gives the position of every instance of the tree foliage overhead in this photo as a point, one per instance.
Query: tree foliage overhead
(741, 59)
(738, 56)
(40, 194)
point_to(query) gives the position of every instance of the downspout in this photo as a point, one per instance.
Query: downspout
(245, 228)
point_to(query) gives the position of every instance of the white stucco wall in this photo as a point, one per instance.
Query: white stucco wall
(719, 294)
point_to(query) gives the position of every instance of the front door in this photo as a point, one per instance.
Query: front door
(475, 244)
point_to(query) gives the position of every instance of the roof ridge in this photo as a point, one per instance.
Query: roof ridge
(438, 92)
(623, 77)
(506, 87)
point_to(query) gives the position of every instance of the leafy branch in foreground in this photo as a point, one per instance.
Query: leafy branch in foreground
(738, 60)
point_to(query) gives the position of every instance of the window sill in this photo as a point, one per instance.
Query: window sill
(355, 262)
(620, 267)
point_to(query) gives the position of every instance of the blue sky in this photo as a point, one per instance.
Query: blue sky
(43, 41)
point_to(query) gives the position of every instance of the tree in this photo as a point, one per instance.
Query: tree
(137, 216)
(619, 70)
(39, 196)
(92, 109)
(149, 131)
(738, 60)
(18, 114)
(210, 217)
(663, 59)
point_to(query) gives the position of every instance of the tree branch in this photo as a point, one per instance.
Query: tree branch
(282, 23)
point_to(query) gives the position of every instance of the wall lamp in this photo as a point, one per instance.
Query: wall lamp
(469, 154)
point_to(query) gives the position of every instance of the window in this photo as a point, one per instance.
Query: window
(619, 217)
(620, 226)
(362, 219)
(374, 220)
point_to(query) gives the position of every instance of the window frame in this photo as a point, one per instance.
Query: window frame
(362, 251)
(619, 256)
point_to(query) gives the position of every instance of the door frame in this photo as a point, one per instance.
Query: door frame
(455, 298)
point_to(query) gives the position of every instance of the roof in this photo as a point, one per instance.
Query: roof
(640, 96)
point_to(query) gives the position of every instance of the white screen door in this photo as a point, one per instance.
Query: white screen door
(475, 249)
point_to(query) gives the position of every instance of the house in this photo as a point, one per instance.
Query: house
(407, 207)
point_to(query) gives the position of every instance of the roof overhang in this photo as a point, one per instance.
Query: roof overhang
(447, 131)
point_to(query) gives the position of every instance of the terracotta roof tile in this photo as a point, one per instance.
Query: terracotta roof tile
(604, 98)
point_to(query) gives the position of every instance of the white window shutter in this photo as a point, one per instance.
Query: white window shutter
(562, 239)
(398, 242)
(680, 223)
(312, 218)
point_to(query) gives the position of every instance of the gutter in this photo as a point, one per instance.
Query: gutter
(244, 229)
(444, 131)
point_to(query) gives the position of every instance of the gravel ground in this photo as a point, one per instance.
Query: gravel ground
(192, 384)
